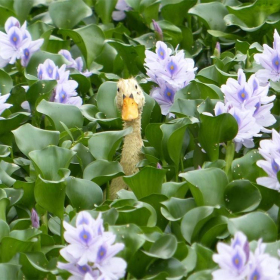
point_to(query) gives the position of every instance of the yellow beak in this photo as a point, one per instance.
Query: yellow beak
(129, 109)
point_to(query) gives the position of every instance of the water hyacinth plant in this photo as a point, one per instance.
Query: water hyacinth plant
(172, 107)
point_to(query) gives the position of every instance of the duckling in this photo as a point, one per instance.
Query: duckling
(130, 101)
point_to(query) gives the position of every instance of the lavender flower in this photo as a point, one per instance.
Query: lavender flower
(91, 252)
(270, 61)
(3, 105)
(236, 262)
(170, 72)
(250, 96)
(232, 259)
(270, 151)
(17, 43)
(65, 91)
(77, 63)
(35, 219)
(121, 8)
(217, 51)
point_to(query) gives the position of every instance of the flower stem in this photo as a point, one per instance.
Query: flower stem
(230, 147)
(62, 232)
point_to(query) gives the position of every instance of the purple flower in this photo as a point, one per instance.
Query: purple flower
(270, 151)
(270, 61)
(236, 262)
(158, 30)
(250, 96)
(171, 73)
(121, 8)
(77, 63)
(65, 91)
(217, 51)
(232, 259)
(164, 95)
(3, 105)
(35, 219)
(91, 250)
(17, 43)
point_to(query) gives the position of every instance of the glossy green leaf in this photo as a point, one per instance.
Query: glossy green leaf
(102, 171)
(244, 16)
(216, 130)
(173, 140)
(163, 248)
(147, 181)
(246, 167)
(70, 115)
(83, 194)
(254, 225)
(193, 221)
(104, 9)
(89, 39)
(212, 14)
(104, 145)
(176, 208)
(6, 83)
(242, 196)
(67, 14)
(12, 122)
(4, 229)
(50, 160)
(18, 241)
(22, 8)
(207, 185)
(9, 271)
(29, 138)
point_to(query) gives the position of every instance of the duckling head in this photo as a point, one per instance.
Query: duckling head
(130, 99)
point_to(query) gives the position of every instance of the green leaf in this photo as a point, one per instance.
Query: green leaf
(5, 14)
(173, 140)
(50, 160)
(104, 9)
(45, 192)
(163, 248)
(194, 220)
(132, 238)
(4, 229)
(13, 122)
(244, 16)
(18, 241)
(29, 138)
(83, 194)
(254, 225)
(132, 56)
(35, 265)
(154, 135)
(103, 145)
(176, 208)
(216, 130)
(9, 271)
(28, 199)
(102, 171)
(90, 40)
(105, 98)
(67, 14)
(70, 115)
(22, 9)
(207, 185)
(6, 82)
(147, 181)
(242, 196)
(212, 14)
(246, 168)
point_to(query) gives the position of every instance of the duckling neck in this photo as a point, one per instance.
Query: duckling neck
(131, 153)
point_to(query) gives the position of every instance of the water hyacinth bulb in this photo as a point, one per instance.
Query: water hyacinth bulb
(35, 219)
(91, 250)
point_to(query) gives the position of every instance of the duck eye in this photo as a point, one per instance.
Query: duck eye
(136, 86)
(118, 89)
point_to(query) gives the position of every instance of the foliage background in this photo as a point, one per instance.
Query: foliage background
(58, 158)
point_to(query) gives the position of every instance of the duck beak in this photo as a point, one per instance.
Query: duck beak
(129, 109)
